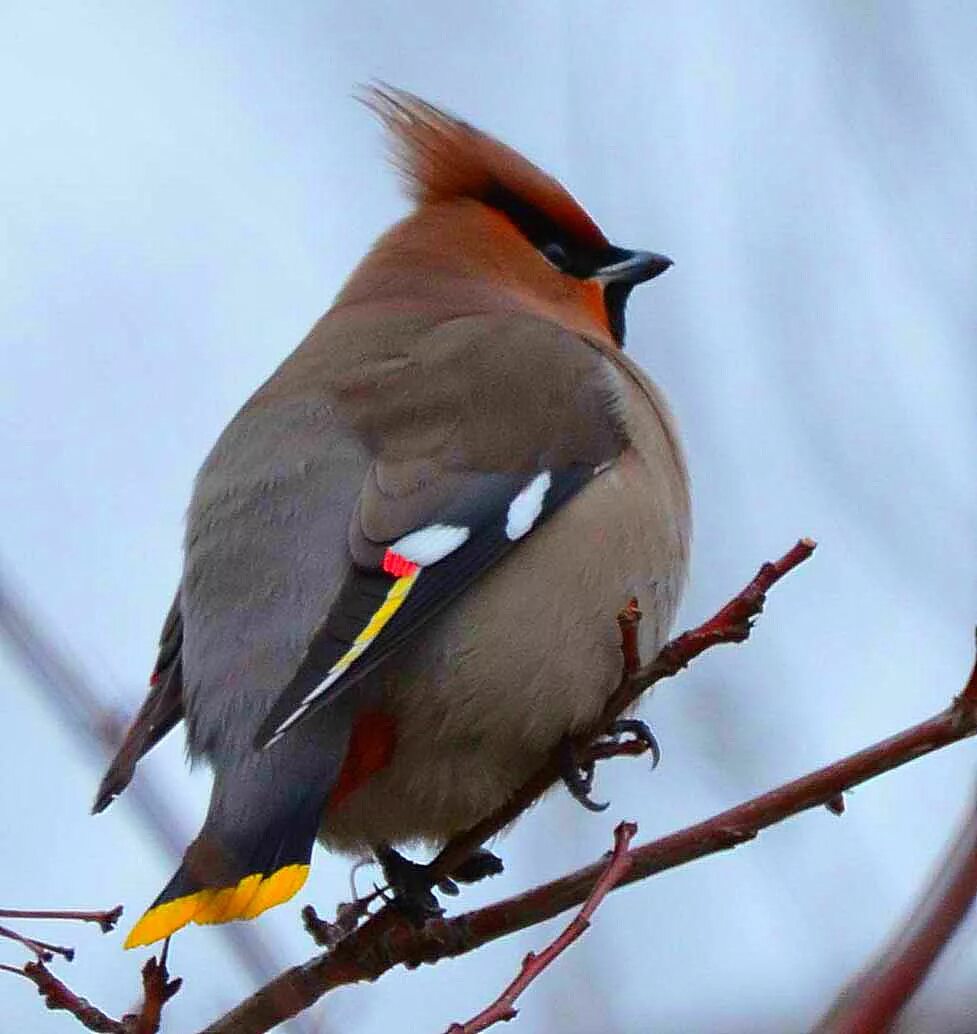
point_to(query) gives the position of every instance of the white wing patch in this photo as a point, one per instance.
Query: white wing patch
(428, 545)
(525, 509)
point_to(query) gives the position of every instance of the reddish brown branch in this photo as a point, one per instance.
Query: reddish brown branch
(364, 956)
(604, 750)
(873, 1001)
(731, 624)
(503, 1008)
(627, 621)
(158, 989)
(57, 995)
(105, 919)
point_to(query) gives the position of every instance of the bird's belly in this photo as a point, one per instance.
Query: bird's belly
(481, 696)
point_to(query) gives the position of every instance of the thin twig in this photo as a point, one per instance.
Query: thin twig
(627, 621)
(364, 956)
(105, 919)
(158, 989)
(45, 952)
(503, 1008)
(604, 750)
(731, 624)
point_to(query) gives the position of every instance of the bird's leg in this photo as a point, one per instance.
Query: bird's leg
(412, 882)
(578, 777)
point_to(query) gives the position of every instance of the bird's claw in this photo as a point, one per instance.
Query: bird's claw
(579, 778)
(641, 732)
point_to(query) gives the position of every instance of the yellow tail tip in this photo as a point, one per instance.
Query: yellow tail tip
(162, 920)
(275, 889)
(246, 899)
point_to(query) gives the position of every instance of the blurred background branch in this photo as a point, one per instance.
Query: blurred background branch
(873, 1000)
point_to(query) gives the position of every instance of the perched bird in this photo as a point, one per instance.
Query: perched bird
(405, 554)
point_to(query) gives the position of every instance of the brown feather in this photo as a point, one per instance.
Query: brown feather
(442, 158)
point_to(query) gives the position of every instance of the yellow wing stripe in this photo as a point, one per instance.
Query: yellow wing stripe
(245, 900)
(396, 595)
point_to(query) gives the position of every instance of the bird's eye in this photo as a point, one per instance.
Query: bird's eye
(556, 254)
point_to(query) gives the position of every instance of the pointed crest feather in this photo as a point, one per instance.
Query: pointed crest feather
(441, 158)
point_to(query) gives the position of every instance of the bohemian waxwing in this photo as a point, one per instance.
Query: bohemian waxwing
(405, 554)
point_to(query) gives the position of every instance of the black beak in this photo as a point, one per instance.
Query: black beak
(625, 270)
(632, 267)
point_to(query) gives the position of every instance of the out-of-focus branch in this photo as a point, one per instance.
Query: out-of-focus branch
(503, 1008)
(873, 1001)
(362, 957)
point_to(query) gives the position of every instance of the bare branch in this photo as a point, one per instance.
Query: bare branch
(364, 956)
(105, 919)
(57, 995)
(731, 624)
(45, 952)
(158, 989)
(503, 1008)
(386, 940)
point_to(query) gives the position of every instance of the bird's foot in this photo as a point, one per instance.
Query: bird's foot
(578, 774)
(413, 883)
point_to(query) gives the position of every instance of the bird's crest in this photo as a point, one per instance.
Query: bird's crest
(441, 158)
